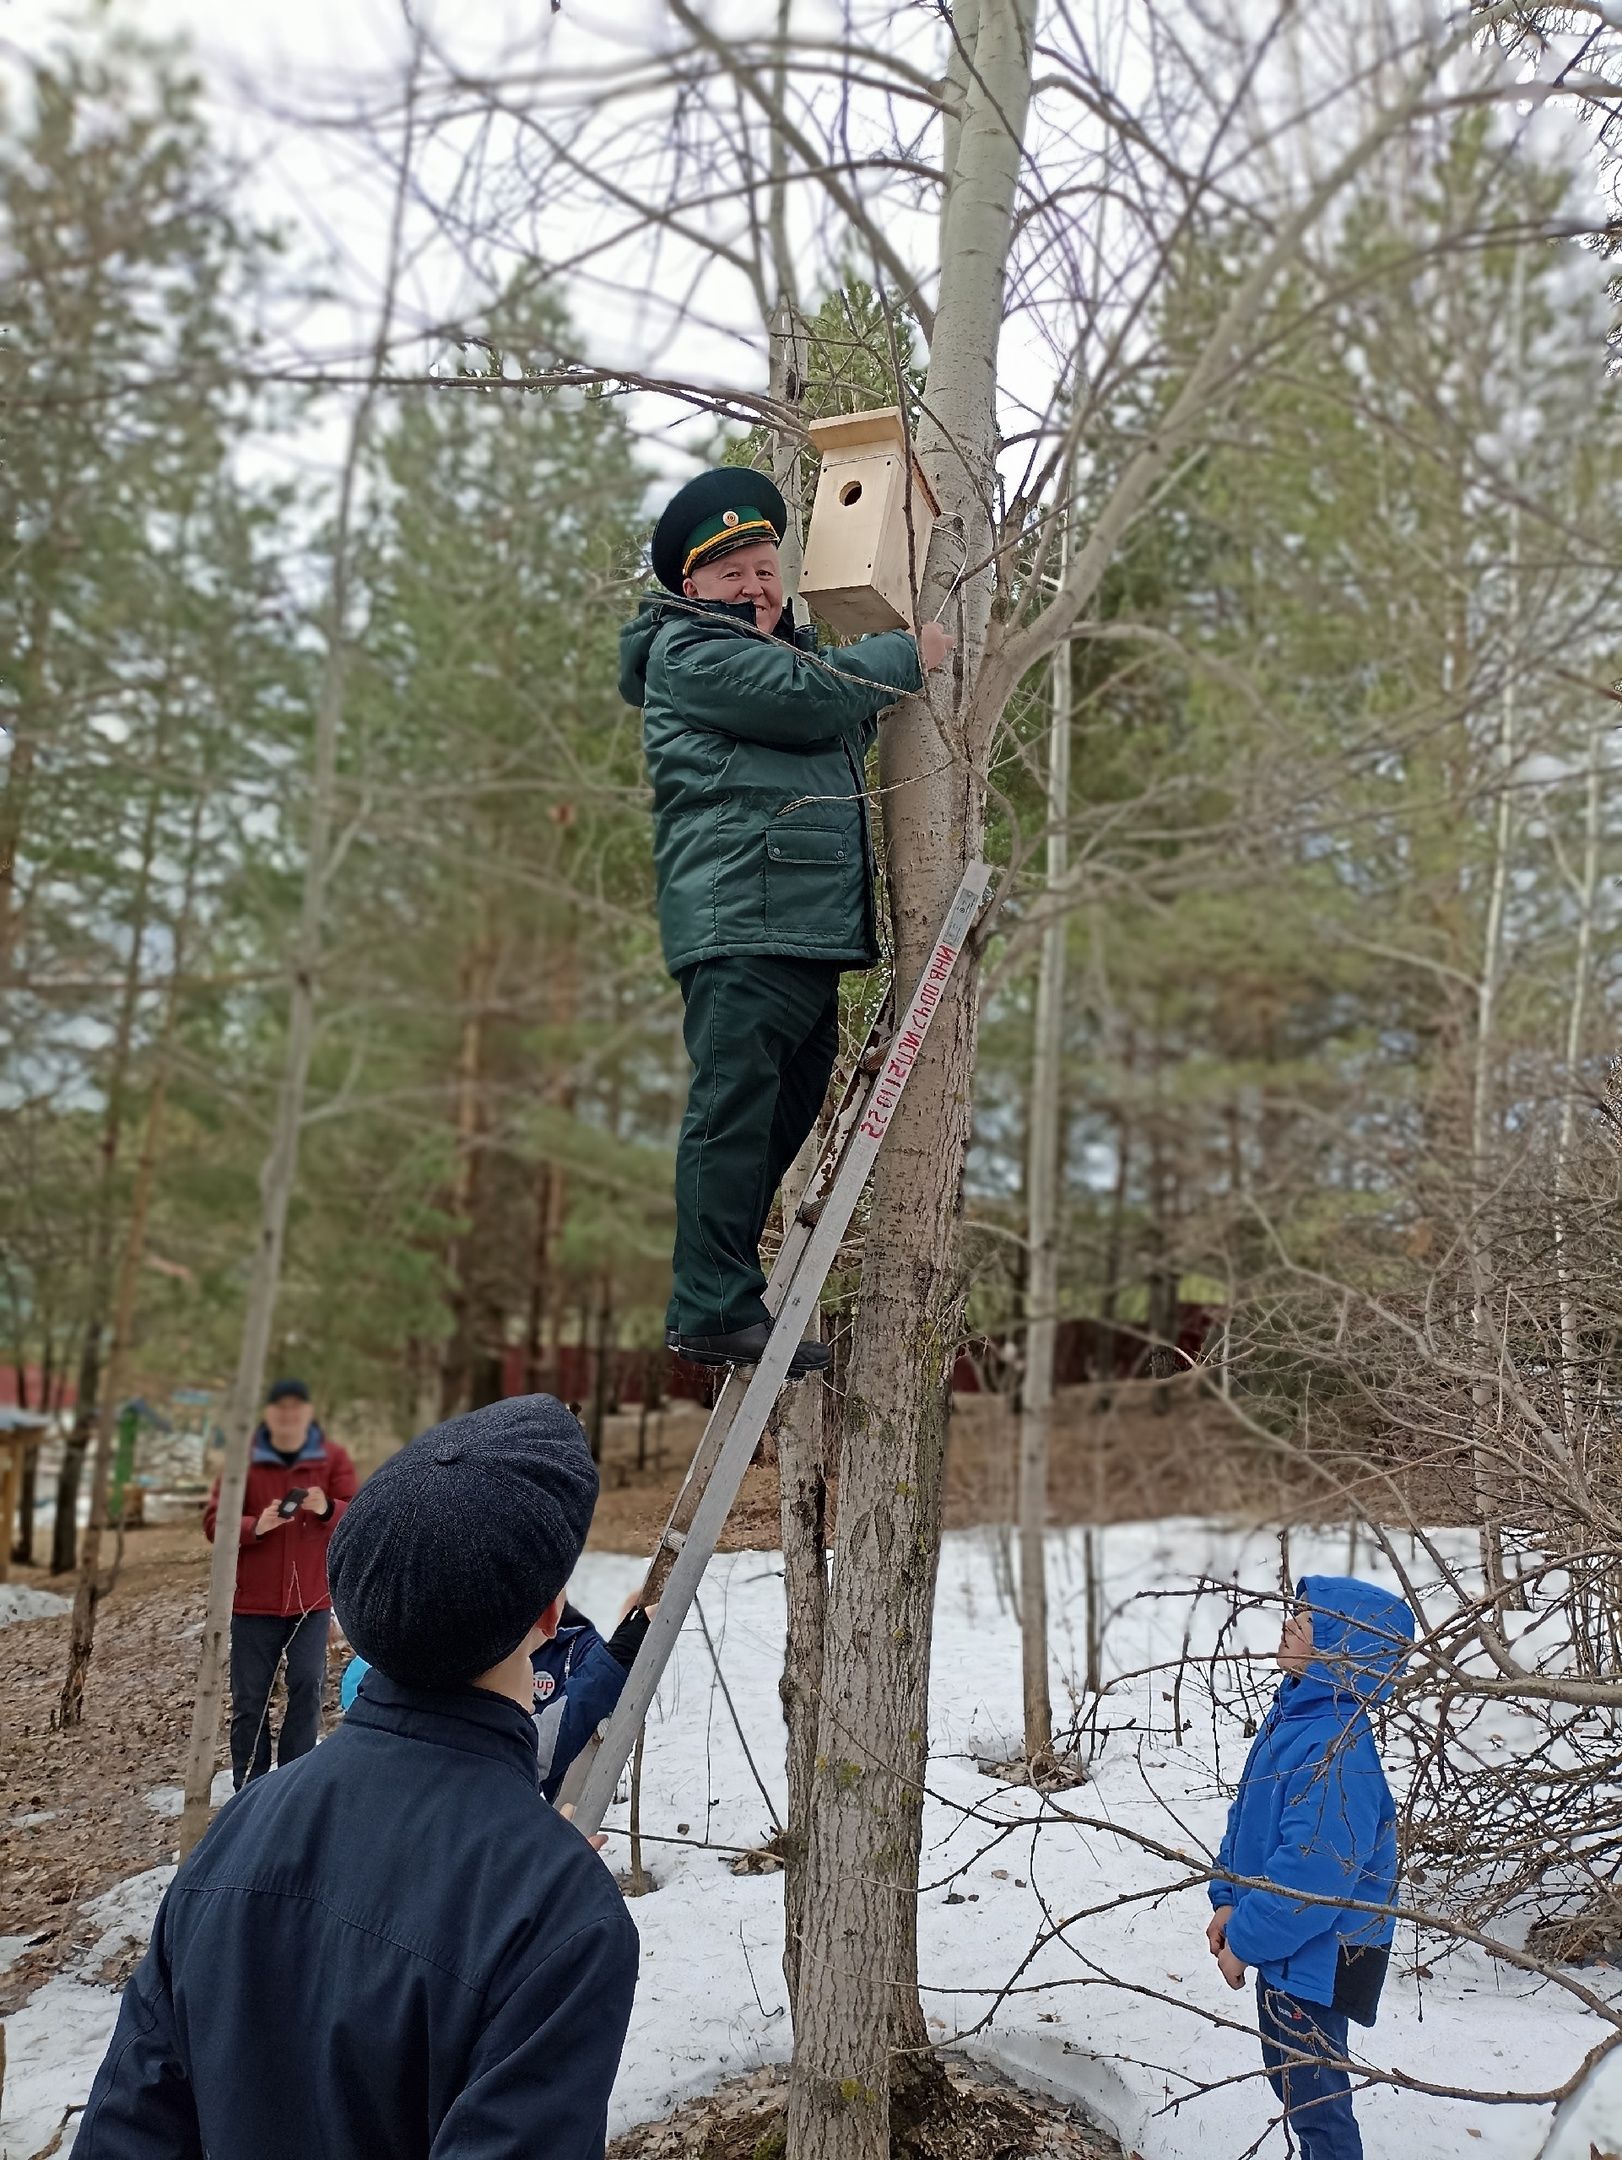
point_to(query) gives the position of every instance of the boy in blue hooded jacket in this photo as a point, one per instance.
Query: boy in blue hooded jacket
(1313, 1821)
(579, 1677)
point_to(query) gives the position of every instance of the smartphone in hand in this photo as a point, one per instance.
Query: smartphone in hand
(291, 1505)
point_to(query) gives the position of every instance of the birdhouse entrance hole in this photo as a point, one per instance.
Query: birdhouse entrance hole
(862, 567)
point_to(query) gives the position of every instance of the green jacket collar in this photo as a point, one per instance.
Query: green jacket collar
(659, 611)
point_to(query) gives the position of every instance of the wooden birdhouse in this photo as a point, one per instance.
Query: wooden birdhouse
(870, 525)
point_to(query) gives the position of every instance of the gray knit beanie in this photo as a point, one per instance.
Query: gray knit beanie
(452, 1550)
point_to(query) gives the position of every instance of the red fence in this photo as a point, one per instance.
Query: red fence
(64, 1391)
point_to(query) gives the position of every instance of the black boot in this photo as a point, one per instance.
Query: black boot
(746, 1346)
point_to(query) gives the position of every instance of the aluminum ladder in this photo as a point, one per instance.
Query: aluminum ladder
(745, 1403)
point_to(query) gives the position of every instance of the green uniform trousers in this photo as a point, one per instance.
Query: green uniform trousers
(763, 1035)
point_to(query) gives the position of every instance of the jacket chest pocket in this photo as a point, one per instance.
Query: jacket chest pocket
(806, 867)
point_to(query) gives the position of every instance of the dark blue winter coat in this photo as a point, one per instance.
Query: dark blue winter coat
(391, 1947)
(1313, 1812)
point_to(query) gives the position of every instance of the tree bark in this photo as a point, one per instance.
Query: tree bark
(1043, 1181)
(1586, 896)
(87, 1418)
(281, 1161)
(552, 1178)
(602, 1387)
(87, 1595)
(802, 1484)
(19, 771)
(1109, 1298)
(461, 1352)
(1163, 1272)
(807, 1445)
(858, 1984)
(22, 1550)
(32, 699)
(540, 1262)
(1492, 1481)
(808, 1413)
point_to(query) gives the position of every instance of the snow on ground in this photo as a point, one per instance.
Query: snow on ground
(1124, 2011)
(18, 1602)
(55, 2041)
(1591, 2120)
(171, 1799)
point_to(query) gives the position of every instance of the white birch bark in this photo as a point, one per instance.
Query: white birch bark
(858, 1983)
(1491, 1469)
(1043, 1180)
(1587, 896)
(801, 1464)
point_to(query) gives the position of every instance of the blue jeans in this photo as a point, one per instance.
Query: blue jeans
(1304, 2054)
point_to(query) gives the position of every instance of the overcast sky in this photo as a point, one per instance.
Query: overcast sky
(274, 67)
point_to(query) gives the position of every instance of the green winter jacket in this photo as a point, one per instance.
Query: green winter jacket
(755, 748)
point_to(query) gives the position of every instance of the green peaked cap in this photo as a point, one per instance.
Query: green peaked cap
(721, 509)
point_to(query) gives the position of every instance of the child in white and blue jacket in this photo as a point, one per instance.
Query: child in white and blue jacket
(578, 1680)
(1312, 1821)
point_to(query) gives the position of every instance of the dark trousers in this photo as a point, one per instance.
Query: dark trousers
(1304, 2055)
(763, 1035)
(259, 1641)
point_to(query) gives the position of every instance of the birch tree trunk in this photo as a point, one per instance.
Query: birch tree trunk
(1586, 896)
(1490, 1468)
(1043, 1177)
(803, 1454)
(858, 1983)
(281, 1160)
(806, 1448)
(802, 1437)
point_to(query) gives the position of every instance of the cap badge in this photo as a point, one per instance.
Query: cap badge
(729, 517)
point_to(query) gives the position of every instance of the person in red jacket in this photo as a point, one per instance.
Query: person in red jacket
(299, 1484)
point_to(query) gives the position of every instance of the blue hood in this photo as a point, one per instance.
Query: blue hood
(1362, 1638)
(313, 1450)
(1313, 1819)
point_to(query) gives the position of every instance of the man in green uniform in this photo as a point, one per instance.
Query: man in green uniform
(755, 743)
